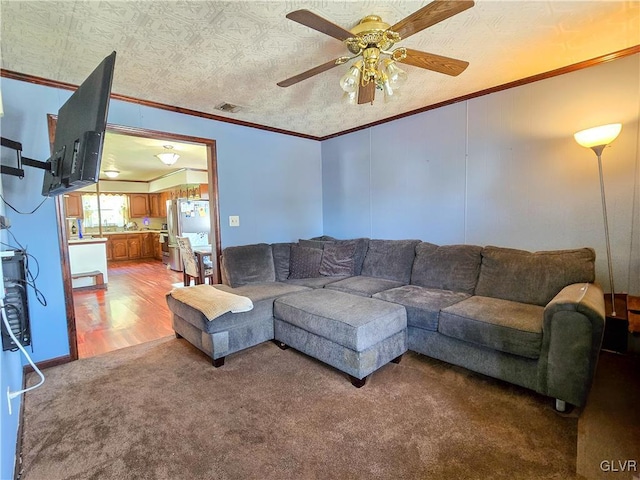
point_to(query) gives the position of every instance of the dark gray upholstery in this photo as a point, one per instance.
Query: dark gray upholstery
(365, 286)
(316, 282)
(533, 278)
(352, 333)
(305, 262)
(362, 245)
(533, 319)
(503, 325)
(248, 264)
(423, 304)
(352, 321)
(338, 259)
(447, 267)
(390, 259)
(281, 256)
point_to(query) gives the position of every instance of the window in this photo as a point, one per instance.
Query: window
(113, 210)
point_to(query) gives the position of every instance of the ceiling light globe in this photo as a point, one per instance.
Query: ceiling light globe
(397, 77)
(168, 158)
(350, 80)
(111, 173)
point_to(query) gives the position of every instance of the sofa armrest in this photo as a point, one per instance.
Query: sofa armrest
(572, 332)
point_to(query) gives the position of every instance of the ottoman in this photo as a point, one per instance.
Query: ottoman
(352, 333)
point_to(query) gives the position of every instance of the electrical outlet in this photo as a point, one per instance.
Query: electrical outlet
(234, 221)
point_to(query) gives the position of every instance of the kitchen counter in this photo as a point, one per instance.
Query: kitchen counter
(86, 240)
(87, 255)
(133, 232)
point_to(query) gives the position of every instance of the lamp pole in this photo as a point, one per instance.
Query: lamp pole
(598, 150)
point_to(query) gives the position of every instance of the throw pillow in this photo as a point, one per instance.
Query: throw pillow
(304, 262)
(338, 259)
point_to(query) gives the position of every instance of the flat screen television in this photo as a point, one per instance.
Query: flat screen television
(79, 137)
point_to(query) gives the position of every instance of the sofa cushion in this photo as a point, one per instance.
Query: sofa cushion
(364, 286)
(362, 245)
(533, 278)
(352, 321)
(281, 260)
(314, 243)
(423, 304)
(503, 325)
(338, 259)
(304, 262)
(315, 282)
(447, 267)
(261, 294)
(248, 264)
(390, 259)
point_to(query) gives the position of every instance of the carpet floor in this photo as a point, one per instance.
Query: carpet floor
(161, 411)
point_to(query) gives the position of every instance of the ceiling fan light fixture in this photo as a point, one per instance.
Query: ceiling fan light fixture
(168, 157)
(397, 77)
(112, 173)
(351, 80)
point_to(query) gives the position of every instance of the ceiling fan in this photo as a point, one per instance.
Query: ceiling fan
(371, 41)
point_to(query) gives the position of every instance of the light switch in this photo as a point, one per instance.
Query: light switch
(234, 221)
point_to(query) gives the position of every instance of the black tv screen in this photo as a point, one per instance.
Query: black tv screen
(79, 137)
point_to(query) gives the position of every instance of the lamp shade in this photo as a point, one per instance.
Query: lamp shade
(598, 136)
(168, 158)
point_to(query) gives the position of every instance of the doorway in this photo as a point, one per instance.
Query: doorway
(122, 269)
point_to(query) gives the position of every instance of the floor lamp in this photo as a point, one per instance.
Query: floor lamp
(596, 139)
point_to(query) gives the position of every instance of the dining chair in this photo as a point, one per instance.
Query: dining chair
(190, 265)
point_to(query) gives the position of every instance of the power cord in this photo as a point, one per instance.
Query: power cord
(11, 395)
(23, 213)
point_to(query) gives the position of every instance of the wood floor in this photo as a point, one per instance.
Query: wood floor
(131, 311)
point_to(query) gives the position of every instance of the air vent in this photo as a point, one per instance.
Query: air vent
(228, 107)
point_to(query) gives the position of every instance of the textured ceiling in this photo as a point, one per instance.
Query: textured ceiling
(199, 54)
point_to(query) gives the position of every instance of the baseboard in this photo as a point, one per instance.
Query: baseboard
(48, 363)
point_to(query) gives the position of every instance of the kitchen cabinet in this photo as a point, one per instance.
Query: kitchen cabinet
(109, 248)
(157, 246)
(73, 205)
(134, 246)
(119, 247)
(147, 245)
(154, 205)
(138, 205)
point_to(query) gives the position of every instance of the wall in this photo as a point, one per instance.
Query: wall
(501, 169)
(272, 181)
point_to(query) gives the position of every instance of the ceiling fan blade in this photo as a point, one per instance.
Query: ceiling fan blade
(430, 15)
(311, 20)
(437, 63)
(366, 93)
(309, 73)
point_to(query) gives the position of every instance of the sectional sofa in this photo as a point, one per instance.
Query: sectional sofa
(532, 319)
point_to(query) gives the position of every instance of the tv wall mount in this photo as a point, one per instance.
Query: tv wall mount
(24, 161)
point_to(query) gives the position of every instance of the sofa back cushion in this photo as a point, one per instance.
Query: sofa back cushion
(390, 259)
(447, 267)
(248, 264)
(533, 278)
(281, 256)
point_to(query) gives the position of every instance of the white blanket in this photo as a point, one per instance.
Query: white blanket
(210, 301)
